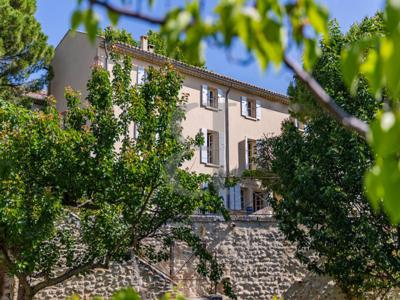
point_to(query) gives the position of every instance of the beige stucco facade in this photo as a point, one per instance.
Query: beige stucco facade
(75, 55)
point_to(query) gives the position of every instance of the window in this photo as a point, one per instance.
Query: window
(258, 201)
(141, 75)
(252, 154)
(212, 152)
(212, 147)
(248, 154)
(212, 99)
(251, 108)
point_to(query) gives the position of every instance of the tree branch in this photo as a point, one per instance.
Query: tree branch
(68, 274)
(7, 259)
(347, 120)
(128, 13)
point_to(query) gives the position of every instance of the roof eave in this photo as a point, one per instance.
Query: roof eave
(187, 69)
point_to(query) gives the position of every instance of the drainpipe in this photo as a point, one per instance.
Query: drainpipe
(227, 166)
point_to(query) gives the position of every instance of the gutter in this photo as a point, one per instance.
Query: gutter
(227, 154)
(185, 68)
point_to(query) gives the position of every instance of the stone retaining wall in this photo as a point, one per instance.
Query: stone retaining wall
(254, 254)
(256, 258)
(150, 283)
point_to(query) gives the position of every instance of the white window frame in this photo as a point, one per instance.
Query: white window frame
(250, 108)
(212, 98)
(212, 144)
(212, 152)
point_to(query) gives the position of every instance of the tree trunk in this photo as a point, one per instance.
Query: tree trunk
(24, 293)
(21, 292)
(2, 282)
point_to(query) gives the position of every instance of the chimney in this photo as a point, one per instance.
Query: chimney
(144, 43)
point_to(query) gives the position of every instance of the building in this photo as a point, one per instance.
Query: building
(231, 114)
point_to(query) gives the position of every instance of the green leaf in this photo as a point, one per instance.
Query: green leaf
(393, 16)
(350, 67)
(113, 16)
(76, 19)
(91, 24)
(318, 17)
(372, 70)
(126, 294)
(351, 62)
(311, 53)
(383, 180)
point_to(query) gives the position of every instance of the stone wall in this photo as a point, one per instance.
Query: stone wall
(256, 258)
(254, 254)
(136, 273)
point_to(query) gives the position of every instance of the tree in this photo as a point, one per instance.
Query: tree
(160, 47)
(113, 35)
(25, 55)
(122, 189)
(269, 29)
(318, 176)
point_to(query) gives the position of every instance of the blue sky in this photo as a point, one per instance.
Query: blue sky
(54, 15)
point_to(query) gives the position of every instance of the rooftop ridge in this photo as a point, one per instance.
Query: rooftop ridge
(224, 79)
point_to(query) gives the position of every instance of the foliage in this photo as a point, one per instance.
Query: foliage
(113, 35)
(131, 294)
(120, 189)
(260, 27)
(160, 47)
(24, 53)
(319, 179)
(375, 58)
(126, 294)
(121, 36)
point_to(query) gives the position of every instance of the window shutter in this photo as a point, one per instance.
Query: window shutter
(221, 149)
(242, 158)
(258, 109)
(244, 106)
(203, 148)
(223, 193)
(204, 95)
(235, 195)
(246, 153)
(140, 75)
(221, 99)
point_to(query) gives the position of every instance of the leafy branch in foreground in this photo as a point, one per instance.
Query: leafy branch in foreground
(263, 27)
(321, 203)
